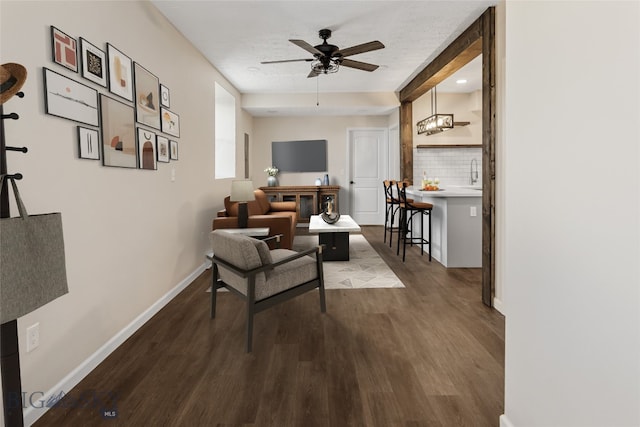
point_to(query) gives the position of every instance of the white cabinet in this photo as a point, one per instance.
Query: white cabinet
(456, 226)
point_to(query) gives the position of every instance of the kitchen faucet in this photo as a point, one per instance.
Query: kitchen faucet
(473, 175)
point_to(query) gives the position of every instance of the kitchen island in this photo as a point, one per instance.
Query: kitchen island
(456, 224)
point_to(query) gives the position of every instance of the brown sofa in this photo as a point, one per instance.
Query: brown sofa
(280, 217)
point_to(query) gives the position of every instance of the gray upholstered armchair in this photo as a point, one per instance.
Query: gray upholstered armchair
(262, 277)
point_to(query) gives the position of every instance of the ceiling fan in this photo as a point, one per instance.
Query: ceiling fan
(327, 58)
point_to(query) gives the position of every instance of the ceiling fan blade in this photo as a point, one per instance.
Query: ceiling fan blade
(359, 65)
(361, 48)
(287, 60)
(313, 73)
(306, 46)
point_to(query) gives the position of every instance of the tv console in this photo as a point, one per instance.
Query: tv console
(310, 199)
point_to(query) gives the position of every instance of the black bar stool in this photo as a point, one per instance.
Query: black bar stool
(408, 209)
(391, 205)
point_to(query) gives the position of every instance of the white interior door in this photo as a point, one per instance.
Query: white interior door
(368, 150)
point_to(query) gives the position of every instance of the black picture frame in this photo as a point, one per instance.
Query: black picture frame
(69, 99)
(64, 49)
(94, 63)
(173, 150)
(117, 124)
(120, 72)
(165, 96)
(88, 143)
(162, 148)
(170, 122)
(146, 144)
(146, 98)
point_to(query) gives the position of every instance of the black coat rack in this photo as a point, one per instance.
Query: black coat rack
(11, 381)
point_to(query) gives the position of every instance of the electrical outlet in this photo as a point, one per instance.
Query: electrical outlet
(33, 337)
(473, 211)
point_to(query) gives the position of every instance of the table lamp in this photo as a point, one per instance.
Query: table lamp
(242, 192)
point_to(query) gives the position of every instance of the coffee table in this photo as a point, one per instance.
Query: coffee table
(335, 237)
(256, 232)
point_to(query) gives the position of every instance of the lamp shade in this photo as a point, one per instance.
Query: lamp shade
(241, 190)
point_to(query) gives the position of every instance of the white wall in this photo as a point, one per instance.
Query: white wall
(131, 236)
(320, 103)
(499, 201)
(393, 165)
(572, 279)
(331, 128)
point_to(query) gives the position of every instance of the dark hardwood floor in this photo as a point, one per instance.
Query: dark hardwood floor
(427, 355)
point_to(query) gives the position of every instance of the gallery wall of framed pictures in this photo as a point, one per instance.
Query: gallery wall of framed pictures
(122, 109)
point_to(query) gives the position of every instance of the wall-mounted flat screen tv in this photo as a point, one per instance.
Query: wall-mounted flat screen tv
(300, 156)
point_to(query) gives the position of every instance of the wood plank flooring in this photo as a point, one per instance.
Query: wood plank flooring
(428, 355)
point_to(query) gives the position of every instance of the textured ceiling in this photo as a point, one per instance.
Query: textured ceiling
(236, 36)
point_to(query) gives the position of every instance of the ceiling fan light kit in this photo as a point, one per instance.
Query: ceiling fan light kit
(327, 58)
(317, 67)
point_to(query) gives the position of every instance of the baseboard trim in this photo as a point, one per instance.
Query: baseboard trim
(497, 304)
(31, 413)
(504, 421)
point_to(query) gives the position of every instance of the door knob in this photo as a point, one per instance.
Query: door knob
(351, 182)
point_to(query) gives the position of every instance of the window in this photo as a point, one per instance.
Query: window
(225, 134)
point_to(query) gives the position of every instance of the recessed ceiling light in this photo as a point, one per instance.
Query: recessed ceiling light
(461, 81)
(253, 69)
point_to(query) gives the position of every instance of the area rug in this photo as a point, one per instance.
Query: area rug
(365, 268)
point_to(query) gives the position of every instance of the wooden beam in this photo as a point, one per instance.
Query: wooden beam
(460, 52)
(406, 141)
(463, 49)
(479, 38)
(488, 155)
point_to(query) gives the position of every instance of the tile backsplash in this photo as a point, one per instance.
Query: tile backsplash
(451, 165)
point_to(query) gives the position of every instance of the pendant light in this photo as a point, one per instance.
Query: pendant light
(436, 122)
